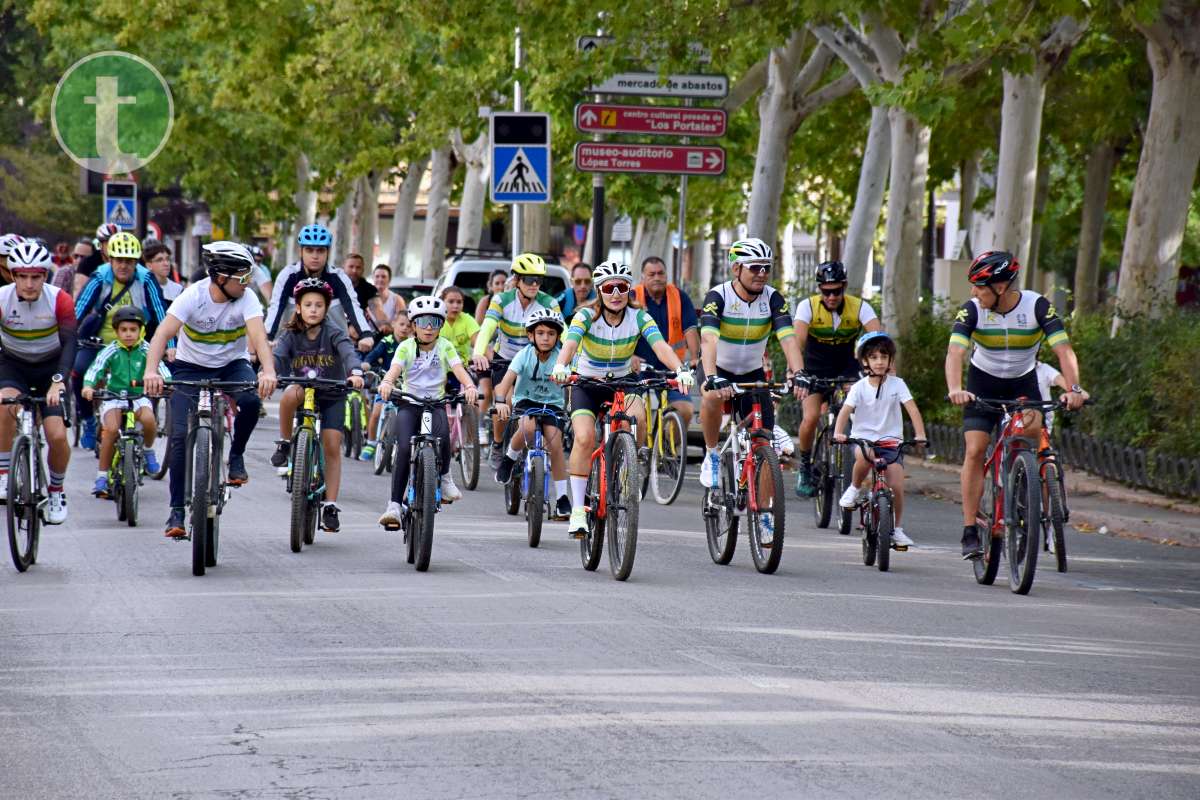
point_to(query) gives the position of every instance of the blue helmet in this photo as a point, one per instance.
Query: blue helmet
(314, 236)
(889, 345)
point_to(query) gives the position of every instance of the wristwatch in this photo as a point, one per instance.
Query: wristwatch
(1076, 388)
(56, 378)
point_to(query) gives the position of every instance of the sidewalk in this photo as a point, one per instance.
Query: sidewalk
(1096, 505)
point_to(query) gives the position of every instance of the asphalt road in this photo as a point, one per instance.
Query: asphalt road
(510, 672)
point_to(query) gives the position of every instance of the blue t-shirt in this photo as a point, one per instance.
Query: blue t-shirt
(533, 378)
(658, 312)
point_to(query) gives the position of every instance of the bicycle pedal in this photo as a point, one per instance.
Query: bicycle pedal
(391, 528)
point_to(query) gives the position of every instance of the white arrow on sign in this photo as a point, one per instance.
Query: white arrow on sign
(712, 160)
(588, 117)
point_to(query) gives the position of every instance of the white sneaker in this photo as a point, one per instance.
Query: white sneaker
(56, 509)
(900, 538)
(4, 488)
(577, 527)
(391, 518)
(710, 469)
(784, 445)
(450, 492)
(852, 497)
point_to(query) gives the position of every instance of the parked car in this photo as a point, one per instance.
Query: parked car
(469, 271)
(408, 288)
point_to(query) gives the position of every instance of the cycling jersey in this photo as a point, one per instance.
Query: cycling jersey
(744, 326)
(605, 348)
(506, 315)
(38, 331)
(533, 384)
(213, 334)
(121, 368)
(829, 347)
(423, 372)
(1006, 345)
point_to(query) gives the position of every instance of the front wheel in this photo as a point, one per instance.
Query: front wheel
(822, 480)
(1055, 514)
(720, 513)
(623, 494)
(130, 466)
(885, 523)
(301, 480)
(425, 507)
(1023, 523)
(201, 486)
(467, 457)
(24, 520)
(668, 461)
(535, 500)
(381, 461)
(766, 514)
(844, 463)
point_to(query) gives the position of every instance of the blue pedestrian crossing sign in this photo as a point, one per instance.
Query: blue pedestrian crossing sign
(520, 145)
(120, 204)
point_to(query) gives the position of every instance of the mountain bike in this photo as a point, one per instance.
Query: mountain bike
(832, 463)
(129, 459)
(877, 517)
(306, 462)
(27, 492)
(356, 421)
(487, 439)
(464, 441)
(531, 482)
(385, 440)
(750, 484)
(210, 416)
(162, 444)
(666, 437)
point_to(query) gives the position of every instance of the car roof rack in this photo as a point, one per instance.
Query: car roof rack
(458, 253)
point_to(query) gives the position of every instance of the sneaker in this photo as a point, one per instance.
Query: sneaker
(56, 509)
(237, 470)
(283, 449)
(152, 466)
(87, 439)
(391, 519)
(972, 548)
(329, 518)
(643, 460)
(784, 445)
(852, 497)
(804, 487)
(577, 527)
(175, 529)
(4, 488)
(100, 487)
(496, 458)
(368, 452)
(563, 508)
(450, 492)
(766, 526)
(710, 469)
(901, 539)
(504, 473)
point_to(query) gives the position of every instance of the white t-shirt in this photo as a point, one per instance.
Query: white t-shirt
(213, 334)
(1046, 376)
(804, 313)
(878, 418)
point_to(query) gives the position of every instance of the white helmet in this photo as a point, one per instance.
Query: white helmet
(29, 257)
(744, 250)
(8, 241)
(226, 258)
(611, 271)
(106, 231)
(426, 305)
(545, 316)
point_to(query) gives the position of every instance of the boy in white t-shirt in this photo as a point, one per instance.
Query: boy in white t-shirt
(875, 402)
(1048, 376)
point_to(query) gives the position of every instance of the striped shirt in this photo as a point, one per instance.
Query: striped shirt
(213, 334)
(608, 349)
(1006, 345)
(34, 331)
(508, 315)
(744, 327)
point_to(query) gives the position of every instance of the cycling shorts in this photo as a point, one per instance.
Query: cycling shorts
(31, 379)
(743, 404)
(983, 384)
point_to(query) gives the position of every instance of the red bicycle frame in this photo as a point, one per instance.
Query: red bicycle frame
(616, 406)
(1009, 440)
(758, 438)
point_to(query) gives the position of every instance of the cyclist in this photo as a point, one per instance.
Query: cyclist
(379, 359)
(157, 258)
(217, 317)
(495, 285)
(37, 334)
(827, 324)
(1007, 326)
(7, 242)
(736, 320)
(87, 267)
(605, 336)
(673, 312)
(315, 241)
(875, 402)
(529, 385)
(120, 366)
(121, 282)
(505, 320)
(423, 362)
(312, 346)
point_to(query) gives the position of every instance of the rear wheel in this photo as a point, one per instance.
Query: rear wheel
(201, 485)
(24, 521)
(885, 523)
(425, 507)
(668, 461)
(512, 489)
(1023, 524)
(843, 459)
(988, 566)
(766, 520)
(535, 500)
(383, 446)
(301, 482)
(623, 505)
(130, 467)
(1054, 516)
(162, 445)
(467, 458)
(720, 513)
(822, 480)
(314, 503)
(593, 537)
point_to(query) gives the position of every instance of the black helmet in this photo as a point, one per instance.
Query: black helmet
(831, 272)
(128, 314)
(994, 266)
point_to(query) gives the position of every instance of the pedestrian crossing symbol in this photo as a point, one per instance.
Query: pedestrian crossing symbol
(521, 174)
(119, 213)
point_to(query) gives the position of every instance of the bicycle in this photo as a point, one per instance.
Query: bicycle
(305, 474)
(209, 417)
(750, 484)
(356, 424)
(667, 440)
(487, 439)
(129, 459)
(531, 482)
(423, 494)
(464, 441)
(27, 488)
(162, 416)
(72, 411)
(613, 484)
(832, 463)
(877, 517)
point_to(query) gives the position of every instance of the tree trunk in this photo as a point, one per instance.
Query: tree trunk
(406, 201)
(864, 220)
(610, 219)
(1016, 170)
(1040, 195)
(776, 115)
(437, 215)
(1167, 168)
(306, 204)
(1100, 164)
(369, 221)
(356, 225)
(475, 185)
(968, 191)
(343, 225)
(537, 228)
(652, 237)
(905, 220)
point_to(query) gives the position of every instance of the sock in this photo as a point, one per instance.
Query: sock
(515, 455)
(578, 490)
(5, 461)
(709, 451)
(560, 488)
(55, 480)
(371, 442)
(102, 473)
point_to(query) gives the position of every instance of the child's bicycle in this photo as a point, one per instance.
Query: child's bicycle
(666, 438)
(531, 483)
(877, 516)
(305, 473)
(831, 462)
(487, 435)
(128, 462)
(357, 418)
(464, 441)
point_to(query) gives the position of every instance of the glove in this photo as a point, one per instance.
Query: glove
(560, 373)
(715, 383)
(801, 380)
(686, 379)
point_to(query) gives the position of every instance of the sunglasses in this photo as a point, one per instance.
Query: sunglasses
(614, 288)
(582, 281)
(428, 323)
(758, 269)
(531, 280)
(838, 292)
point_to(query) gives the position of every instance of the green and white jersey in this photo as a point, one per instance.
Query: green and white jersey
(509, 317)
(1006, 345)
(608, 349)
(744, 326)
(423, 372)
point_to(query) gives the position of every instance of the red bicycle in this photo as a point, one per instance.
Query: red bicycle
(750, 484)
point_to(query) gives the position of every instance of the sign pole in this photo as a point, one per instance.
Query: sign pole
(518, 215)
(683, 182)
(598, 253)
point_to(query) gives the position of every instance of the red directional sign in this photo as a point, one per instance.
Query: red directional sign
(675, 159)
(651, 120)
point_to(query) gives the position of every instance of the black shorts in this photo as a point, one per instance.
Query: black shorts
(589, 400)
(524, 404)
(743, 404)
(889, 455)
(333, 412)
(31, 379)
(983, 384)
(498, 371)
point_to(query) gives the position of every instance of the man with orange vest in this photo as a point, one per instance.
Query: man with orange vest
(673, 312)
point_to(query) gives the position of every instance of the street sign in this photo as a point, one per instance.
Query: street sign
(673, 159)
(651, 84)
(586, 44)
(650, 120)
(520, 145)
(120, 204)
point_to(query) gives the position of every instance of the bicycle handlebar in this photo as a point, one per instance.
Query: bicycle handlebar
(426, 402)
(212, 384)
(996, 404)
(104, 394)
(327, 383)
(21, 399)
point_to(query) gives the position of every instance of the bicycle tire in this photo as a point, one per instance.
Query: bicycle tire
(870, 544)
(669, 460)
(1055, 514)
(76, 422)
(720, 513)
(535, 500)
(220, 458)
(24, 520)
(301, 480)
(768, 479)
(1023, 525)
(988, 566)
(844, 465)
(162, 414)
(316, 472)
(624, 504)
(129, 483)
(822, 480)
(201, 486)
(593, 538)
(468, 449)
(512, 489)
(115, 485)
(425, 508)
(885, 523)
(358, 426)
(383, 446)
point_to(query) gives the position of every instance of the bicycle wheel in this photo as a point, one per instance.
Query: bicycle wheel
(383, 447)
(535, 500)
(668, 461)
(885, 523)
(766, 524)
(593, 537)
(720, 513)
(1023, 523)
(130, 465)
(301, 481)
(1054, 516)
(512, 490)
(869, 541)
(162, 445)
(623, 505)
(24, 521)
(822, 480)
(425, 507)
(987, 567)
(355, 434)
(216, 490)
(116, 489)
(314, 497)
(201, 486)
(843, 460)
(467, 457)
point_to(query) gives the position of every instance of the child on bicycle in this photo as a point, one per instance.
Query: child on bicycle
(313, 346)
(119, 366)
(423, 363)
(527, 382)
(379, 359)
(875, 402)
